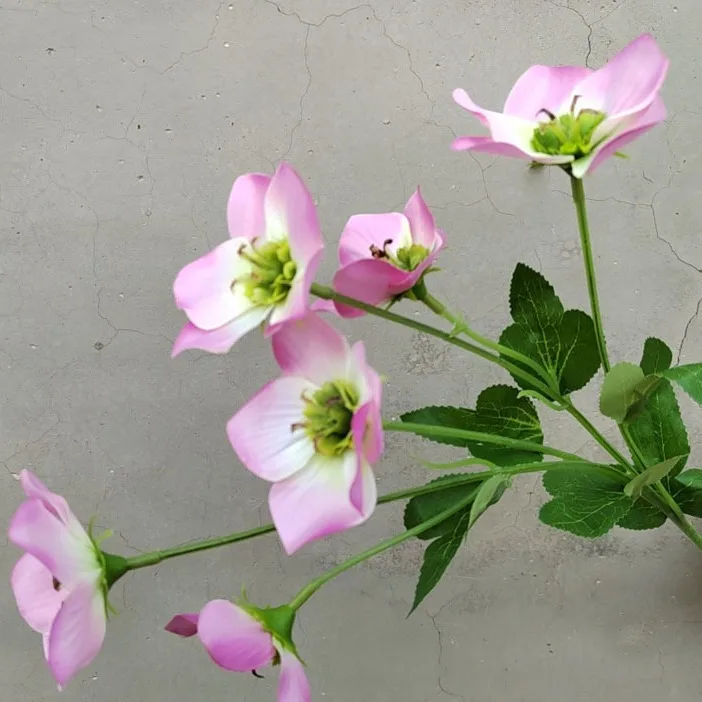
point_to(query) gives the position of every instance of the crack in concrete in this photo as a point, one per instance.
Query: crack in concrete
(117, 330)
(28, 445)
(438, 662)
(687, 329)
(307, 23)
(306, 90)
(584, 21)
(183, 54)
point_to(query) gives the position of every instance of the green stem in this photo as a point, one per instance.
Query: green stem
(326, 293)
(431, 431)
(596, 434)
(581, 209)
(393, 541)
(156, 557)
(438, 307)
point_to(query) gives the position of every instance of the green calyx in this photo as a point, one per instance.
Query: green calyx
(328, 414)
(569, 134)
(273, 272)
(409, 257)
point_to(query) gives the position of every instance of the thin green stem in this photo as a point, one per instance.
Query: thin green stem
(326, 293)
(596, 434)
(581, 209)
(431, 431)
(438, 307)
(155, 557)
(393, 541)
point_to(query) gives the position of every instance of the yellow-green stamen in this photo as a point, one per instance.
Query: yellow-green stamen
(568, 134)
(328, 415)
(406, 258)
(273, 272)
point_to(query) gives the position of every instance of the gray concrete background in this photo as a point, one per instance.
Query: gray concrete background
(122, 126)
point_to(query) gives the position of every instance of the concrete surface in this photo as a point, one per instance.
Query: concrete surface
(122, 126)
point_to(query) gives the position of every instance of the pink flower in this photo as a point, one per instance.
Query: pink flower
(314, 433)
(385, 255)
(575, 117)
(59, 583)
(262, 274)
(237, 640)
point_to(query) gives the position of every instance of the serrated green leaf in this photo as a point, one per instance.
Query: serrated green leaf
(651, 475)
(488, 494)
(689, 378)
(437, 557)
(656, 356)
(533, 302)
(618, 393)
(584, 503)
(423, 507)
(642, 515)
(658, 430)
(564, 343)
(500, 411)
(687, 491)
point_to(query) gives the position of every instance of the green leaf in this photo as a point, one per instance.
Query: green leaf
(488, 494)
(651, 475)
(499, 410)
(564, 343)
(584, 503)
(687, 491)
(533, 302)
(642, 515)
(454, 417)
(618, 393)
(689, 378)
(658, 430)
(656, 356)
(423, 507)
(437, 557)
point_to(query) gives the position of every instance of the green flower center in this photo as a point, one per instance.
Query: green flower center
(272, 274)
(569, 134)
(407, 258)
(328, 414)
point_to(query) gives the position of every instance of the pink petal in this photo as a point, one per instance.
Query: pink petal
(326, 306)
(543, 88)
(245, 214)
(68, 555)
(34, 489)
(372, 437)
(629, 82)
(264, 435)
(296, 305)
(77, 632)
(487, 146)
(293, 685)
(203, 288)
(365, 230)
(37, 599)
(233, 638)
(639, 125)
(290, 212)
(316, 501)
(311, 348)
(372, 281)
(222, 339)
(421, 221)
(183, 625)
(503, 128)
